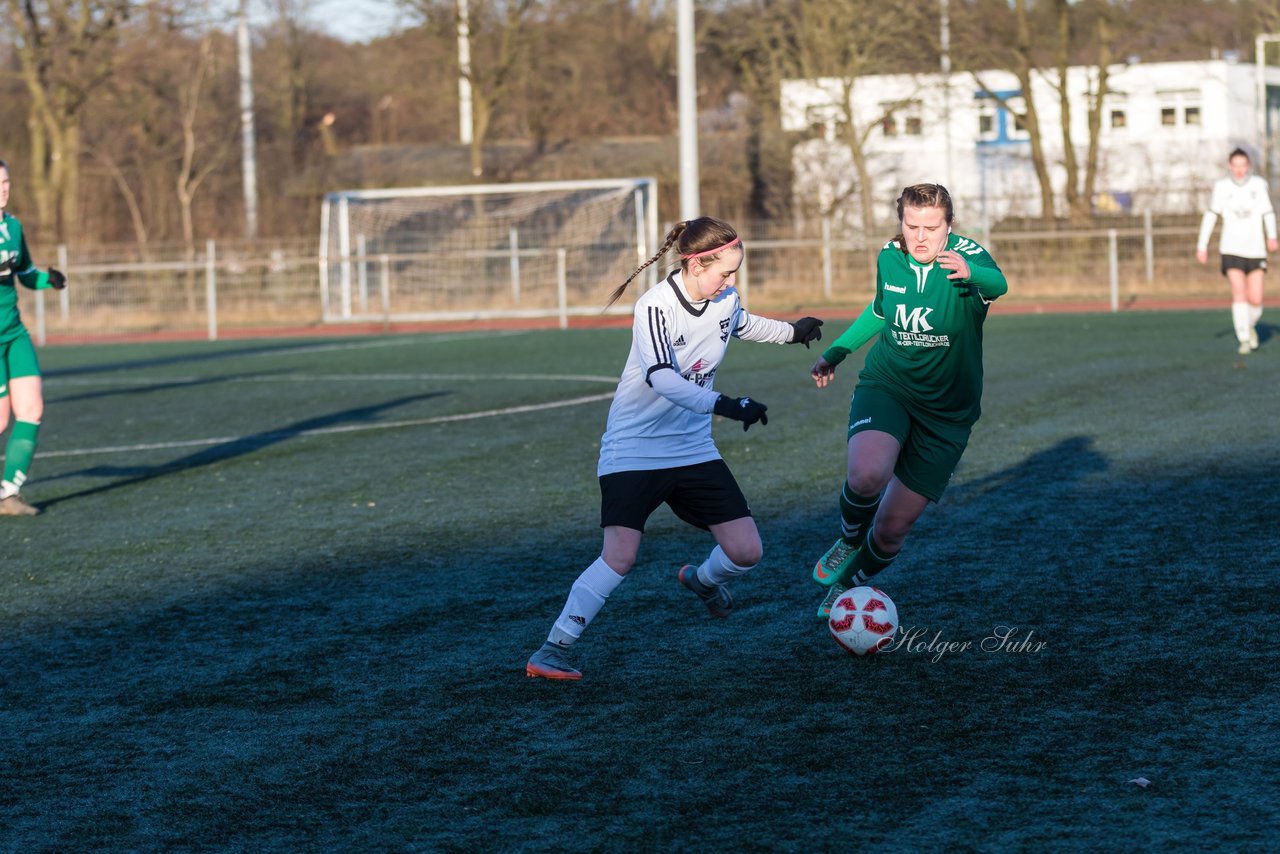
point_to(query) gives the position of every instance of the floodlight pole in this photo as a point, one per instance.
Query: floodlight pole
(1260, 65)
(464, 74)
(248, 162)
(944, 38)
(688, 100)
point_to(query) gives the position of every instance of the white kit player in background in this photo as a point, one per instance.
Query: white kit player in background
(1248, 233)
(657, 446)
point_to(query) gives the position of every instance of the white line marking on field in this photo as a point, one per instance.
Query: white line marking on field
(367, 345)
(305, 378)
(323, 431)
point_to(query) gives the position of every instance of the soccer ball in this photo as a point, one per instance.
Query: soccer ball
(863, 620)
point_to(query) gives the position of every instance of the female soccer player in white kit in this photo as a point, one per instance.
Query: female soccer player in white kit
(1244, 203)
(657, 444)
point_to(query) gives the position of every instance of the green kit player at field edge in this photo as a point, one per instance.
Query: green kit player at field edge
(920, 390)
(21, 393)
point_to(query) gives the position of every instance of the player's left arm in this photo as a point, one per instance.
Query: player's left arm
(1269, 221)
(753, 327)
(971, 268)
(33, 277)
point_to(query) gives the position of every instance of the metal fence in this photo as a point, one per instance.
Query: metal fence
(241, 288)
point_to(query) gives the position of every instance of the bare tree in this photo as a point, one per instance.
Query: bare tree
(66, 50)
(1047, 39)
(844, 41)
(1016, 52)
(498, 34)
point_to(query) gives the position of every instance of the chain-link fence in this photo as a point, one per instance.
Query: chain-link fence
(225, 287)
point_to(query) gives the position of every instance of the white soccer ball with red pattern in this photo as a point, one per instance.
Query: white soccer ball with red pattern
(863, 620)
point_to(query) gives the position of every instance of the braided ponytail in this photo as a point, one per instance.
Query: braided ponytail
(701, 237)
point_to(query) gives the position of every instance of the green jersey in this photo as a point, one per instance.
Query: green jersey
(15, 266)
(929, 353)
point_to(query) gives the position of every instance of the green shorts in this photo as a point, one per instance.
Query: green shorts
(931, 448)
(17, 359)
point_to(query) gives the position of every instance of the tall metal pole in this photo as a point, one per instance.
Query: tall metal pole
(464, 74)
(690, 203)
(944, 38)
(249, 163)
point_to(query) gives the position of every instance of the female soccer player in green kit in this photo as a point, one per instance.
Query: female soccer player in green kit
(920, 390)
(20, 388)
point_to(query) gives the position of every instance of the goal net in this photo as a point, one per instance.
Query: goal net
(553, 248)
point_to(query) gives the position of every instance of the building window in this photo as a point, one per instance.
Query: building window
(901, 117)
(1119, 119)
(1001, 117)
(1180, 108)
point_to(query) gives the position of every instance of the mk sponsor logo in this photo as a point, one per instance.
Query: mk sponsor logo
(917, 321)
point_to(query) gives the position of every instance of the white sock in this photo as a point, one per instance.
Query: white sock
(1255, 313)
(718, 569)
(586, 598)
(1240, 319)
(8, 488)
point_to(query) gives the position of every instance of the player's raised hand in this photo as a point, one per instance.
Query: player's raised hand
(57, 279)
(742, 409)
(956, 263)
(806, 330)
(822, 372)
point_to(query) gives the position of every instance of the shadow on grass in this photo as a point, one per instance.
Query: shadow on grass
(1059, 467)
(151, 388)
(231, 448)
(176, 359)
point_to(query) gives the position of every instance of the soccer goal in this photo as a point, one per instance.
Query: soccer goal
(546, 249)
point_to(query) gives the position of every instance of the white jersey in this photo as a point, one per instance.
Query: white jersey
(676, 346)
(1248, 219)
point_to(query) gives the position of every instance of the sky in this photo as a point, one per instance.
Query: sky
(350, 20)
(355, 20)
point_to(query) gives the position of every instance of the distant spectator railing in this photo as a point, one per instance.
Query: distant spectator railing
(255, 288)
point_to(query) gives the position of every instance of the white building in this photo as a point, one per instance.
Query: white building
(1167, 129)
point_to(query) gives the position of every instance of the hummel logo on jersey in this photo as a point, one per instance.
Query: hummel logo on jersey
(895, 289)
(679, 342)
(860, 423)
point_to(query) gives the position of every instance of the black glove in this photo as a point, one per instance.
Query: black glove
(57, 279)
(6, 267)
(742, 409)
(806, 330)
(966, 289)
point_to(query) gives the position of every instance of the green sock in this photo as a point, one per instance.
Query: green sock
(19, 451)
(867, 563)
(855, 512)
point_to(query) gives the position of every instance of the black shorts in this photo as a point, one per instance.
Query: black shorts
(1235, 262)
(703, 495)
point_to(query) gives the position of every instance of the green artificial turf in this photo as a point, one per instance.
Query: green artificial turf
(282, 594)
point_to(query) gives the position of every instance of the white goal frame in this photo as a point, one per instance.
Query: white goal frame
(358, 284)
